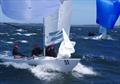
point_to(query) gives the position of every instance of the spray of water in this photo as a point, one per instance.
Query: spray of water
(46, 73)
(81, 70)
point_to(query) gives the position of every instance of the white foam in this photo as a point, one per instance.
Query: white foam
(23, 41)
(81, 70)
(97, 37)
(9, 42)
(17, 34)
(19, 30)
(18, 65)
(30, 34)
(27, 34)
(45, 72)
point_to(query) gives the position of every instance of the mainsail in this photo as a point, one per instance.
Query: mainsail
(65, 15)
(29, 9)
(108, 12)
(56, 22)
(53, 35)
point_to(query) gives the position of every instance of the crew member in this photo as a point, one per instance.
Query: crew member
(50, 51)
(36, 51)
(16, 52)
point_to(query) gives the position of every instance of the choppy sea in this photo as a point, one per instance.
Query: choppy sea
(99, 64)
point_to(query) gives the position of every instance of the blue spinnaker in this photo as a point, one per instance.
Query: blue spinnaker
(28, 9)
(108, 12)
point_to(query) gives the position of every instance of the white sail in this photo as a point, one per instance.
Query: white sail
(65, 15)
(56, 22)
(66, 47)
(53, 35)
(28, 9)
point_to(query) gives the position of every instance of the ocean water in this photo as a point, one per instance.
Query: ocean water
(99, 64)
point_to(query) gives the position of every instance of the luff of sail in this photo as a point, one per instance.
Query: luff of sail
(29, 9)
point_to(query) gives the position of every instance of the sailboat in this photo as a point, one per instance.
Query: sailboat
(102, 34)
(108, 12)
(56, 29)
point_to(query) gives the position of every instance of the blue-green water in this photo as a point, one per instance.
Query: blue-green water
(100, 59)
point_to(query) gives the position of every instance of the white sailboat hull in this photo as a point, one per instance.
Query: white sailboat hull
(63, 65)
(99, 37)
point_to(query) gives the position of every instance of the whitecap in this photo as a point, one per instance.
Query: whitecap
(9, 42)
(30, 34)
(81, 70)
(19, 30)
(23, 41)
(17, 34)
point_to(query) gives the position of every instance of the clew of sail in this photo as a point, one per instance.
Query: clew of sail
(29, 9)
(66, 47)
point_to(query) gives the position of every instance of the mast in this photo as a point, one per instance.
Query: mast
(44, 38)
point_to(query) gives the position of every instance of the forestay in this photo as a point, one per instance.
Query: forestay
(29, 9)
